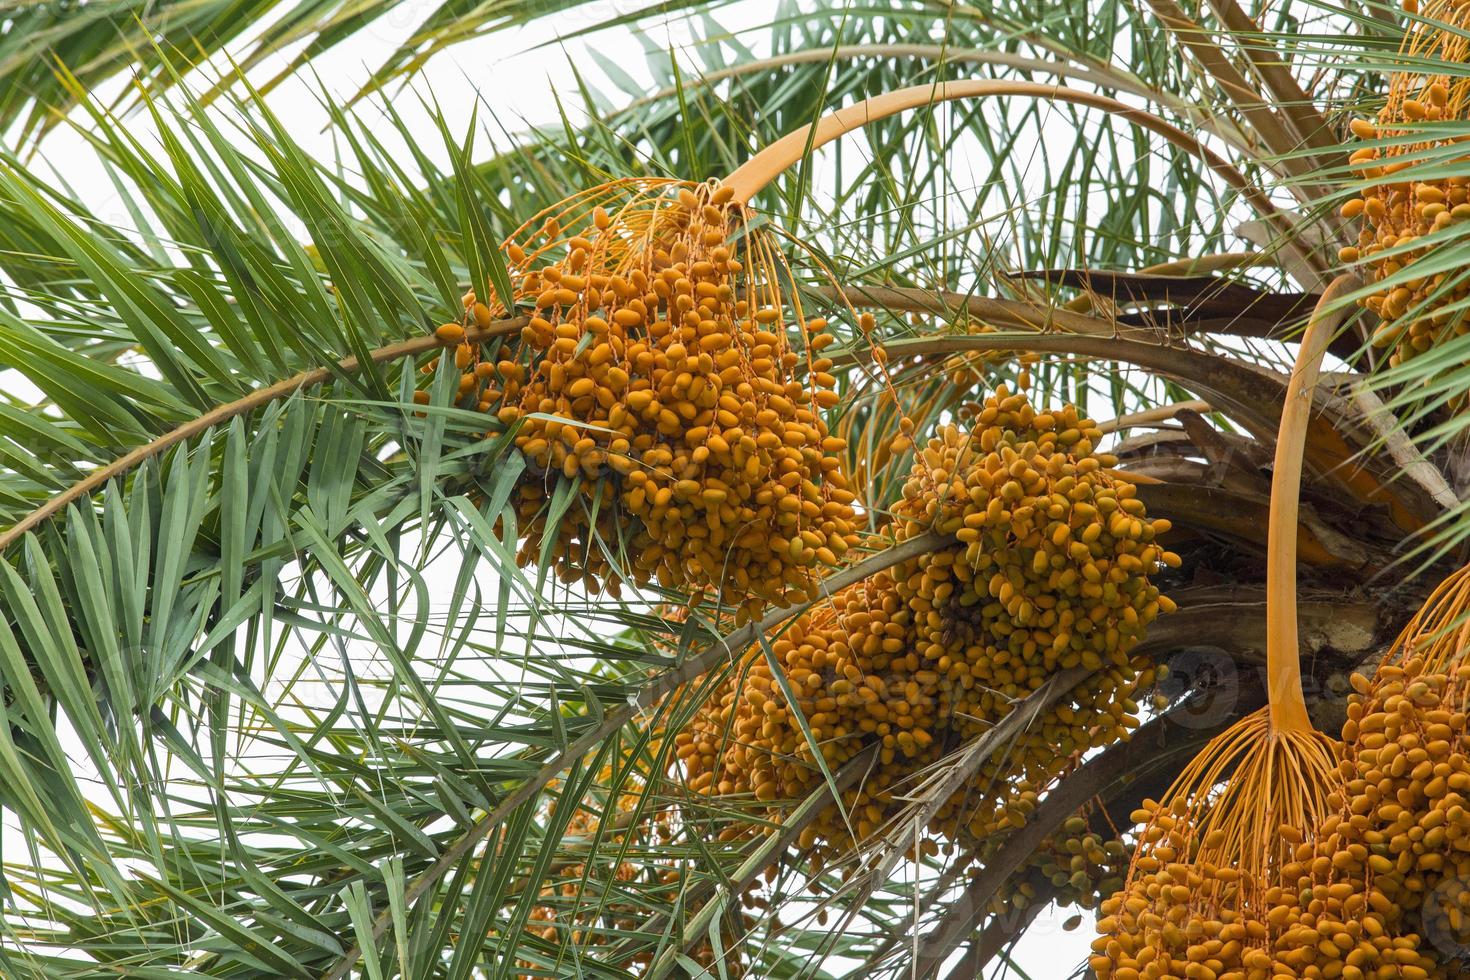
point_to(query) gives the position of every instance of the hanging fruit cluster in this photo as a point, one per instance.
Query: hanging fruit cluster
(1051, 569)
(1080, 863)
(747, 738)
(1403, 833)
(662, 381)
(1272, 855)
(1213, 888)
(1316, 919)
(1048, 567)
(1378, 858)
(1226, 880)
(1417, 311)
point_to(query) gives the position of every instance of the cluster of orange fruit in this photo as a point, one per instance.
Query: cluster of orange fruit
(1048, 566)
(748, 737)
(657, 374)
(1405, 218)
(1338, 901)
(1182, 916)
(1051, 569)
(1080, 863)
(1376, 886)
(1402, 838)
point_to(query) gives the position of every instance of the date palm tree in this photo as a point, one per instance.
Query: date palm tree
(277, 699)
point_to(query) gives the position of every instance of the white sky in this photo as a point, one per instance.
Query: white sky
(517, 81)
